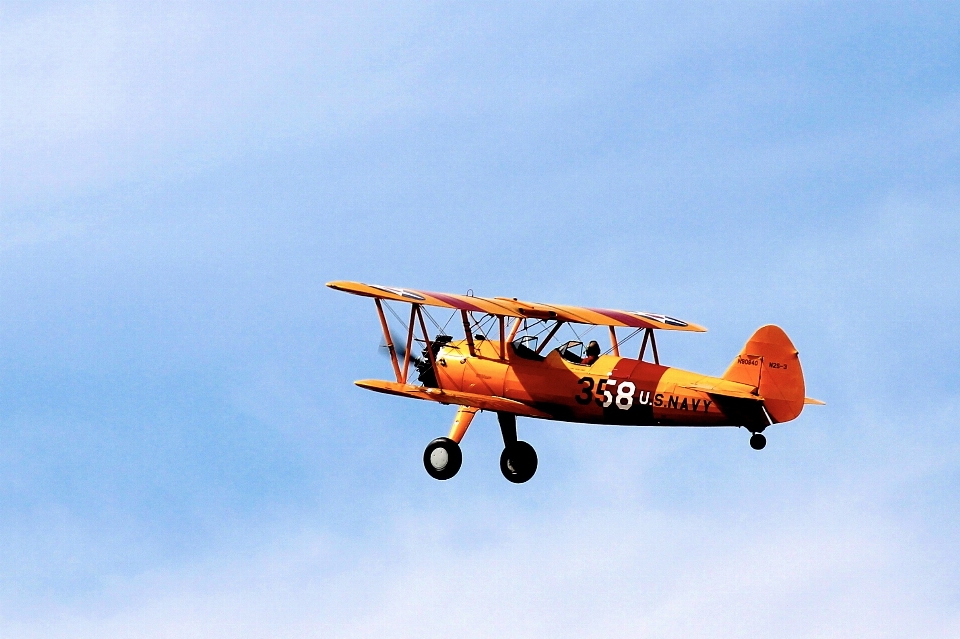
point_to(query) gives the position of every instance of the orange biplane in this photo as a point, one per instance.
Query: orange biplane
(507, 370)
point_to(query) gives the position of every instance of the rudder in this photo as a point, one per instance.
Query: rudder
(770, 363)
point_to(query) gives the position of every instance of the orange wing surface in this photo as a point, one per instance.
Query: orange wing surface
(512, 307)
(483, 402)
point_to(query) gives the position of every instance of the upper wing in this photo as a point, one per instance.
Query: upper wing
(512, 307)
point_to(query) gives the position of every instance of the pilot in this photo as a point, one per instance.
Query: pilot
(593, 352)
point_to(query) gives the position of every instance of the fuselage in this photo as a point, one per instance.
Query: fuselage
(612, 390)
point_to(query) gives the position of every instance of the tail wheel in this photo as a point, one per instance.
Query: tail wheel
(518, 462)
(757, 441)
(442, 458)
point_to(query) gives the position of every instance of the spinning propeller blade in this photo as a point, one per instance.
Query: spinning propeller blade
(399, 344)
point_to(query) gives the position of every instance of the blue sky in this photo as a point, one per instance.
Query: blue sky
(183, 453)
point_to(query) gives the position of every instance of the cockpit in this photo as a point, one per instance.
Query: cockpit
(526, 347)
(572, 351)
(532, 339)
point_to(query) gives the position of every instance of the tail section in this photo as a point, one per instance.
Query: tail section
(769, 362)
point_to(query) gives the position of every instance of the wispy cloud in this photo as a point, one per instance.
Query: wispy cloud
(102, 93)
(830, 568)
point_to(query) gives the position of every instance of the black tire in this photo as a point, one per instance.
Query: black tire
(518, 462)
(442, 458)
(757, 441)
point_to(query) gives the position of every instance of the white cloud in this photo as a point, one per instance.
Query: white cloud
(833, 570)
(96, 94)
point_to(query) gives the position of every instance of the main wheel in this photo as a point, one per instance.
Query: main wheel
(518, 462)
(757, 441)
(442, 458)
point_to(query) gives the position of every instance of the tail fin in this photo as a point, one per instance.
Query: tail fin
(769, 362)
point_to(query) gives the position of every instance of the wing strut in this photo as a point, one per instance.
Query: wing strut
(468, 333)
(388, 340)
(406, 353)
(613, 341)
(426, 339)
(648, 334)
(513, 331)
(549, 336)
(503, 343)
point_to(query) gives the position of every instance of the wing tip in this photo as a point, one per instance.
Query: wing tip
(815, 402)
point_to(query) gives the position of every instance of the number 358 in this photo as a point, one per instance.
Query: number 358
(604, 394)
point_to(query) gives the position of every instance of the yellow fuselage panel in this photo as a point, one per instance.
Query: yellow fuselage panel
(613, 390)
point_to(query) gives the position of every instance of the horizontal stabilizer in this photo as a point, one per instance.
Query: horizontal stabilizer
(740, 402)
(483, 402)
(815, 402)
(725, 390)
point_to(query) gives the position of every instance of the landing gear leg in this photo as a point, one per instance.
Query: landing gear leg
(508, 428)
(461, 423)
(518, 461)
(443, 458)
(758, 441)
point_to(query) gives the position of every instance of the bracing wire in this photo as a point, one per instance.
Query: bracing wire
(430, 317)
(394, 313)
(621, 342)
(579, 339)
(481, 324)
(447, 323)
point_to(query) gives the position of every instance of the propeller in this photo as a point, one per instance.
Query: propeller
(399, 345)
